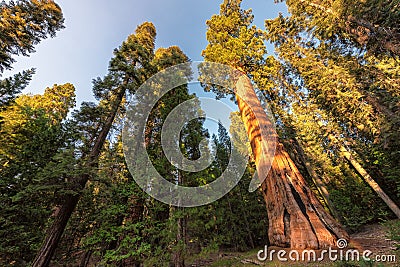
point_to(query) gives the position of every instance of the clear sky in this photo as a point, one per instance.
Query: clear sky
(82, 50)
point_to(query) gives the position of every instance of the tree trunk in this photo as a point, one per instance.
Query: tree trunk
(56, 230)
(233, 225)
(178, 257)
(296, 218)
(319, 183)
(371, 182)
(246, 219)
(364, 174)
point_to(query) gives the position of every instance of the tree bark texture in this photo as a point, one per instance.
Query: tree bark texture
(296, 217)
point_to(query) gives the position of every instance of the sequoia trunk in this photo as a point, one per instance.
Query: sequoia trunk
(296, 217)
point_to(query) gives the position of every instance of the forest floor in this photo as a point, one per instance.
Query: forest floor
(372, 237)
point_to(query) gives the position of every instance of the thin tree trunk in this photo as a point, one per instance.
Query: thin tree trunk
(371, 182)
(319, 183)
(296, 218)
(179, 259)
(361, 171)
(233, 225)
(53, 236)
(364, 174)
(246, 219)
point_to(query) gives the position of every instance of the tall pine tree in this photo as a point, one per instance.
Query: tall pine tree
(125, 73)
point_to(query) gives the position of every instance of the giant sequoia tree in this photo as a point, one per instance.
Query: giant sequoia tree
(333, 89)
(296, 218)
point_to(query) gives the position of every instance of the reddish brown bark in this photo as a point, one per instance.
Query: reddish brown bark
(296, 217)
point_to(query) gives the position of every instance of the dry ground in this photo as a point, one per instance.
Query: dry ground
(371, 237)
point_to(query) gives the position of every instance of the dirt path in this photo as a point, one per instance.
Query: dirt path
(374, 238)
(370, 237)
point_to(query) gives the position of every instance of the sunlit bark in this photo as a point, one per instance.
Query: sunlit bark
(296, 217)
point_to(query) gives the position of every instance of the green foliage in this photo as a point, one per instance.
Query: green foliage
(24, 23)
(393, 231)
(335, 73)
(331, 78)
(232, 39)
(32, 134)
(114, 236)
(366, 25)
(12, 86)
(115, 220)
(236, 221)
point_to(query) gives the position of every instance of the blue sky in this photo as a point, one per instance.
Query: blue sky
(82, 50)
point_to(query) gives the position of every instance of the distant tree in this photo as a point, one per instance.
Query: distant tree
(240, 214)
(136, 227)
